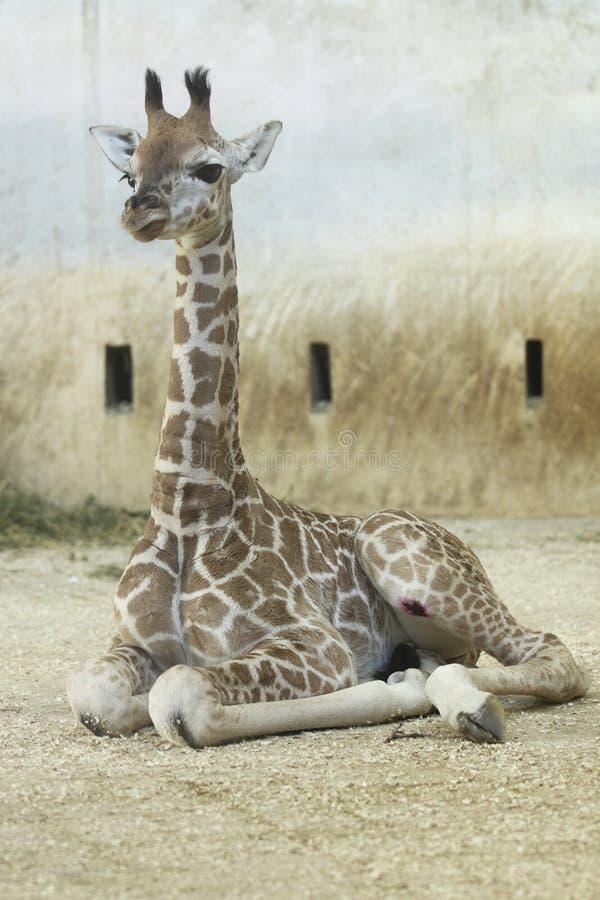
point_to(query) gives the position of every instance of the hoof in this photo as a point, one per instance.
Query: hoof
(93, 724)
(485, 725)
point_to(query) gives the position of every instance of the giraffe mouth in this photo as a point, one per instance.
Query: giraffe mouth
(150, 230)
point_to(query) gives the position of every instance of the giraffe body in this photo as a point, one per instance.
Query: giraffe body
(232, 599)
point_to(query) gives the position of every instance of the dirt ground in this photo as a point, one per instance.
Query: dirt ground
(332, 814)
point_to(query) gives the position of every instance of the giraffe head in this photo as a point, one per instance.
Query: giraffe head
(181, 171)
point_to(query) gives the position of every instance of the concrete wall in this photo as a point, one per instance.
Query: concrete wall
(431, 204)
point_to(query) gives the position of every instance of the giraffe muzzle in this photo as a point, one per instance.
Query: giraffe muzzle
(144, 216)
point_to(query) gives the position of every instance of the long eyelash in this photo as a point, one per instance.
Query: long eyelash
(123, 177)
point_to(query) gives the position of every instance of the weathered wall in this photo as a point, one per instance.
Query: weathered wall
(428, 383)
(431, 203)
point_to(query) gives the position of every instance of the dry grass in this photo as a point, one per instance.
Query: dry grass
(27, 520)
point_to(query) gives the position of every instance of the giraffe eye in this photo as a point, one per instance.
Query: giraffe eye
(208, 173)
(129, 181)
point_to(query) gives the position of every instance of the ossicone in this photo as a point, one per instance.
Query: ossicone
(198, 85)
(154, 97)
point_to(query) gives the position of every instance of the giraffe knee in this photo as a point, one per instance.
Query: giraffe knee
(186, 709)
(99, 701)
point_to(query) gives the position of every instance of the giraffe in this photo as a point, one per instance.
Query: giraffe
(232, 599)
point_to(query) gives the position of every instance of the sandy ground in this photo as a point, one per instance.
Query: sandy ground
(330, 814)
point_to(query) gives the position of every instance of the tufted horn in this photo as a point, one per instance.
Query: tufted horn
(198, 85)
(154, 97)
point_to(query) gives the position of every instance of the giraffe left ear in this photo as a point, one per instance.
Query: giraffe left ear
(250, 152)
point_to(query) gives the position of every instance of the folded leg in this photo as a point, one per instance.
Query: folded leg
(109, 695)
(202, 707)
(445, 602)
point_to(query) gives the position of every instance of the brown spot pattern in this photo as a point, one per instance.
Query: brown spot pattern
(228, 383)
(205, 293)
(206, 370)
(181, 331)
(224, 239)
(217, 335)
(211, 263)
(227, 264)
(182, 264)
(175, 385)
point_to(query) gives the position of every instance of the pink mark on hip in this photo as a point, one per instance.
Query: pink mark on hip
(413, 607)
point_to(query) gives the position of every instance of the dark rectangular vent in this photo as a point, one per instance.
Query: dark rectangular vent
(118, 378)
(534, 370)
(320, 378)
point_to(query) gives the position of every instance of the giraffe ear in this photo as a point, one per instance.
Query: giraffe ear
(118, 144)
(250, 152)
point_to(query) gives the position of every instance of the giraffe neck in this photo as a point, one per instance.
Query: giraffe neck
(199, 465)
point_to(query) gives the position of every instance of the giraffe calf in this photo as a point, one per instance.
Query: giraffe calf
(232, 599)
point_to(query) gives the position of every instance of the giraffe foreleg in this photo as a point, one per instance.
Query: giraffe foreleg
(204, 707)
(188, 710)
(109, 695)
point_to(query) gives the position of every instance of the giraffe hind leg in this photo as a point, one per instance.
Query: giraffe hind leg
(441, 595)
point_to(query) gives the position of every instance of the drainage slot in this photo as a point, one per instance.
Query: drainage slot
(118, 380)
(534, 371)
(320, 378)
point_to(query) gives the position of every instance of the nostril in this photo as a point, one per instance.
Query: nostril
(131, 202)
(150, 201)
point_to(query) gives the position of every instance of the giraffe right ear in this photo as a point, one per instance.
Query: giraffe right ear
(118, 144)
